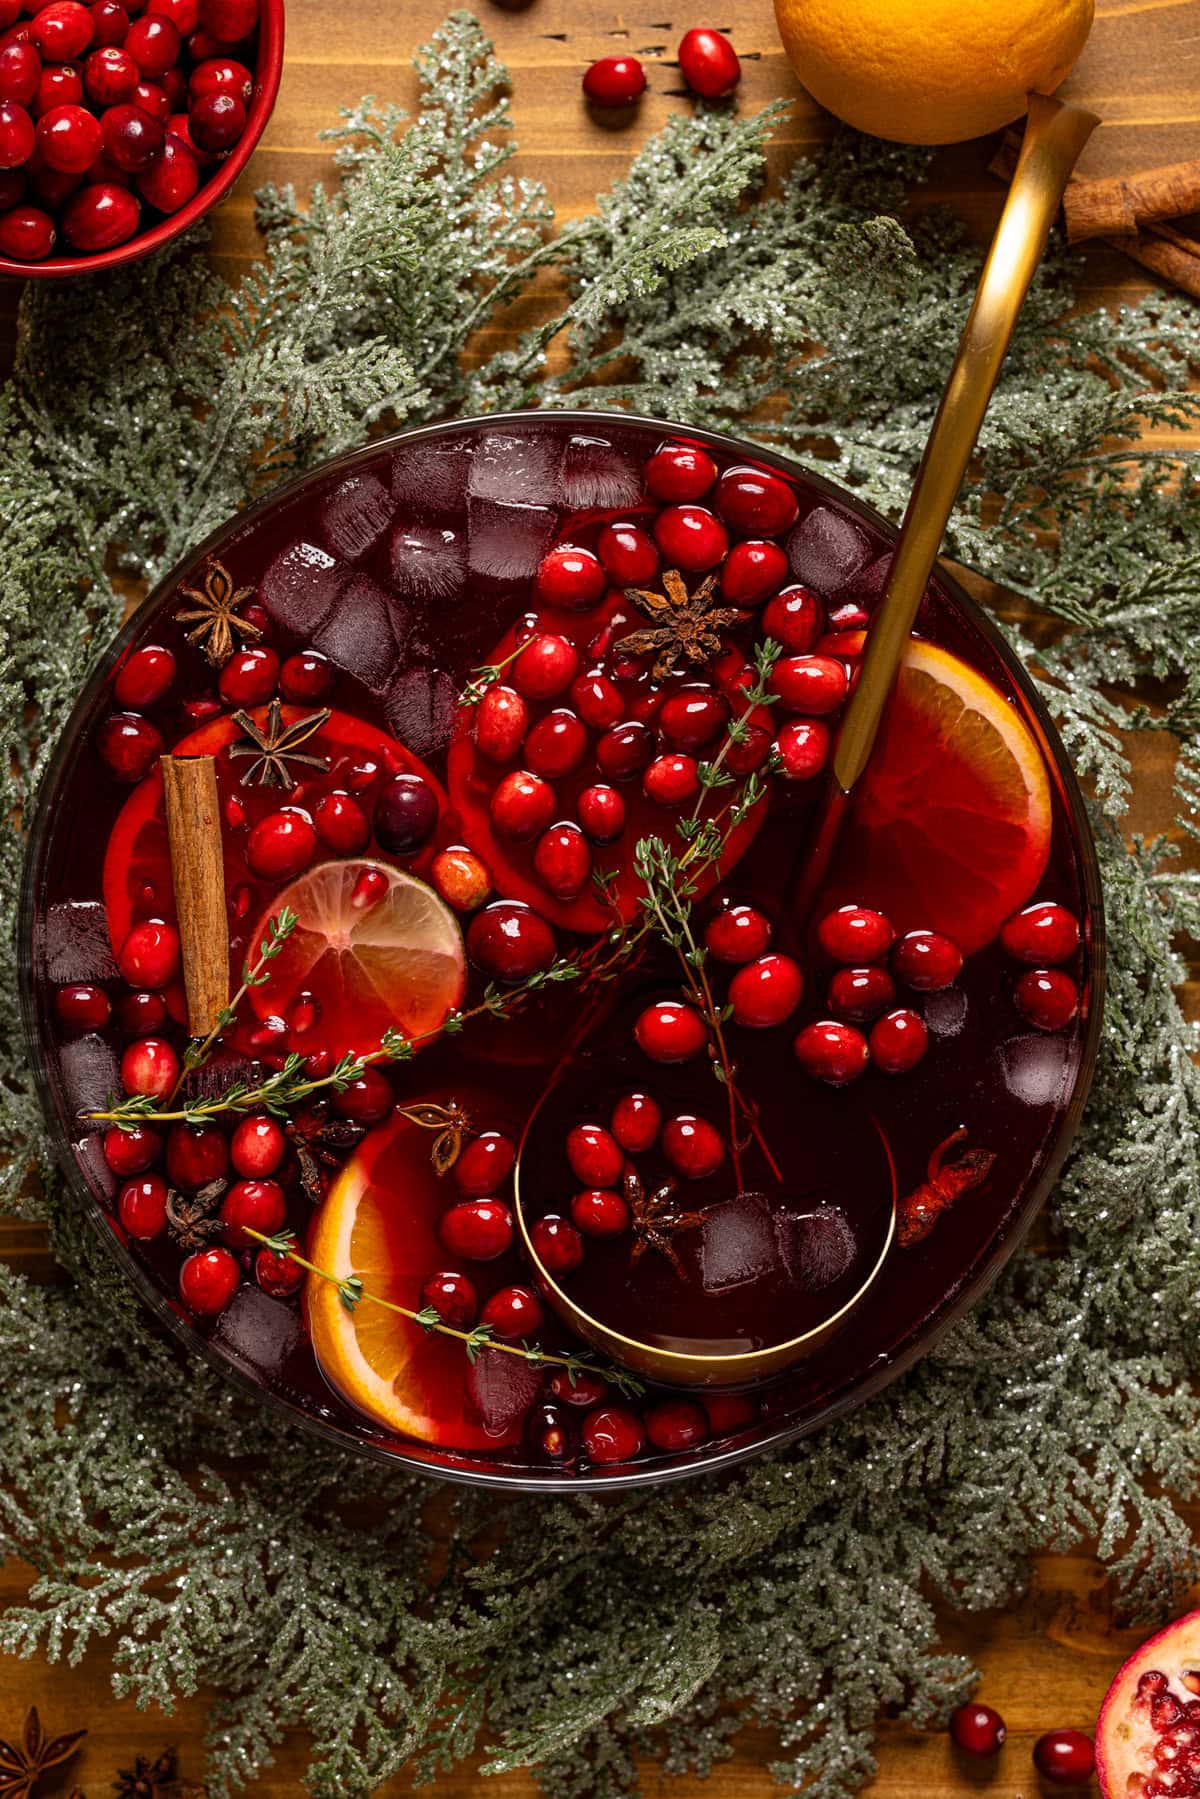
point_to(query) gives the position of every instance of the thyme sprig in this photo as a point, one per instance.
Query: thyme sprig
(279, 928)
(487, 674)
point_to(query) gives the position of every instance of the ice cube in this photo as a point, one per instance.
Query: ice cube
(301, 587)
(355, 516)
(429, 480)
(429, 562)
(507, 540)
(596, 473)
(502, 1386)
(817, 1247)
(516, 466)
(737, 1243)
(358, 634)
(257, 1331)
(90, 1074)
(826, 550)
(946, 1012)
(420, 707)
(89, 1153)
(1035, 1068)
(75, 944)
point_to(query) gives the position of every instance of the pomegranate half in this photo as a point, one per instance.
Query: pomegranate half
(1148, 1732)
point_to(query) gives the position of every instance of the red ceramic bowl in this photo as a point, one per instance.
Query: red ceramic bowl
(262, 102)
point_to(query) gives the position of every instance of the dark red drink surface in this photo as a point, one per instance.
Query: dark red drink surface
(425, 555)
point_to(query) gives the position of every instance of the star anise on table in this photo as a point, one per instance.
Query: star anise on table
(686, 626)
(656, 1217)
(152, 1779)
(213, 616)
(23, 1764)
(275, 745)
(320, 1142)
(192, 1221)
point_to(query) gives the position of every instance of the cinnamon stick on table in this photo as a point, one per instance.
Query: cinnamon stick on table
(198, 872)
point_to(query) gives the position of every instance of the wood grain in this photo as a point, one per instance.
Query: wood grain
(1049, 1661)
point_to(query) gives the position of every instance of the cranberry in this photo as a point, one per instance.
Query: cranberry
(150, 1067)
(253, 1205)
(577, 1386)
(549, 1432)
(926, 961)
(765, 992)
(196, 1155)
(794, 618)
(977, 1729)
(676, 1424)
(62, 30)
(152, 98)
(277, 1275)
(861, 993)
(132, 1149)
(709, 64)
(20, 73)
(142, 1208)
(1065, 1757)
(625, 750)
(813, 685)
(855, 934)
(751, 747)
(145, 677)
(216, 122)
(752, 500)
(898, 1041)
(16, 135)
(183, 14)
(26, 233)
(1047, 998)
(692, 717)
(110, 76)
(306, 676)
(613, 1434)
(557, 1244)
(229, 20)
(510, 940)
(110, 22)
(405, 814)
(599, 1212)
(691, 538)
(100, 216)
(629, 556)
(615, 81)
(501, 721)
(692, 1146)
(513, 1312)
(69, 139)
(737, 933)
(595, 1156)
(843, 646)
(257, 1147)
(680, 472)
(601, 812)
(635, 1122)
(282, 844)
(546, 667)
(562, 861)
(672, 780)
(803, 748)
(453, 1297)
(170, 182)
(341, 824)
(484, 1165)
(478, 1229)
(597, 700)
(83, 1008)
(832, 1052)
(1041, 934)
(153, 43)
(460, 878)
(150, 954)
(141, 1014)
(366, 1100)
(571, 577)
(522, 806)
(249, 677)
(556, 744)
(671, 1032)
(12, 188)
(208, 1281)
(752, 571)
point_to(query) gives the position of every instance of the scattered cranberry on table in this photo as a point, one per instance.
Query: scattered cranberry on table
(1065, 1757)
(615, 81)
(977, 1729)
(709, 63)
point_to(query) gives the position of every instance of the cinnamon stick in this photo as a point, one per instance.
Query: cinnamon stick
(198, 872)
(1166, 252)
(1121, 206)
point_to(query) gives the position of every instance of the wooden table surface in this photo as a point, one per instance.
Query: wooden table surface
(1047, 1662)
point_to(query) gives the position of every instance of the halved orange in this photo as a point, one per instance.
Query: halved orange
(949, 828)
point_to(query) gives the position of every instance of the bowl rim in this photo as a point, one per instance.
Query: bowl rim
(267, 72)
(417, 1458)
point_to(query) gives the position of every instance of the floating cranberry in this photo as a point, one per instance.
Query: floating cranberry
(522, 806)
(251, 1205)
(257, 1147)
(1067, 1758)
(453, 1297)
(676, 1424)
(709, 64)
(277, 1275)
(628, 554)
(613, 1434)
(1047, 998)
(513, 1312)
(752, 500)
(595, 1155)
(501, 721)
(82, 1008)
(484, 1165)
(898, 1041)
(597, 700)
(100, 216)
(208, 1281)
(306, 676)
(145, 677)
(341, 824)
(1042, 934)
(63, 30)
(170, 182)
(110, 76)
(752, 571)
(577, 1386)
(216, 122)
(750, 748)
(69, 139)
(601, 812)
(693, 1147)
(154, 44)
(150, 1067)
(803, 745)
(229, 21)
(549, 1432)
(367, 1100)
(812, 685)
(557, 1244)
(556, 744)
(599, 1212)
(546, 667)
(765, 992)
(977, 1729)
(221, 75)
(855, 934)
(680, 472)
(511, 941)
(861, 994)
(405, 814)
(20, 73)
(460, 878)
(635, 1122)
(615, 81)
(249, 677)
(141, 1014)
(691, 538)
(672, 780)
(926, 961)
(26, 233)
(142, 1208)
(150, 954)
(692, 717)
(669, 1031)
(831, 1051)
(282, 844)
(196, 1155)
(794, 618)
(479, 1230)
(570, 577)
(562, 861)
(737, 933)
(183, 14)
(131, 1149)
(624, 751)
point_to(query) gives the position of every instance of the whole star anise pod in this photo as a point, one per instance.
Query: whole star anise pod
(192, 1220)
(920, 1210)
(451, 1124)
(656, 1217)
(686, 627)
(320, 1142)
(23, 1764)
(147, 1779)
(213, 615)
(275, 744)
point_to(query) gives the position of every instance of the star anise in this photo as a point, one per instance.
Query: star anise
(656, 1218)
(320, 1142)
(192, 1221)
(920, 1210)
(687, 627)
(214, 619)
(147, 1779)
(274, 745)
(450, 1122)
(23, 1764)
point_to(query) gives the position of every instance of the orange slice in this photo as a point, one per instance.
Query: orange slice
(950, 826)
(375, 949)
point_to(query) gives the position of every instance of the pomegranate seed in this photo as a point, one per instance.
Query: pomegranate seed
(861, 994)
(898, 1041)
(83, 1008)
(812, 685)
(672, 780)
(513, 1312)
(501, 721)
(369, 889)
(855, 934)
(803, 746)
(754, 501)
(557, 1244)
(477, 1229)
(577, 1387)
(562, 861)
(257, 1147)
(150, 1067)
(460, 878)
(635, 1122)
(794, 618)
(709, 63)
(145, 677)
(341, 824)
(277, 1275)
(752, 571)
(570, 577)
(597, 700)
(692, 717)
(978, 1730)
(509, 940)
(249, 677)
(367, 1100)
(306, 676)
(546, 667)
(1047, 998)
(484, 1165)
(142, 1208)
(131, 1150)
(624, 751)
(595, 1156)
(599, 1212)
(257, 1205)
(691, 538)
(452, 1296)
(601, 812)
(196, 1155)
(522, 806)
(129, 746)
(1042, 934)
(926, 961)
(1064, 1757)
(628, 554)
(676, 1424)
(671, 1032)
(831, 1051)
(765, 992)
(150, 954)
(282, 844)
(680, 472)
(613, 1434)
(208, 1281)
(692, 1146)
(615, 81)
(406, 814)
(556, 744)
